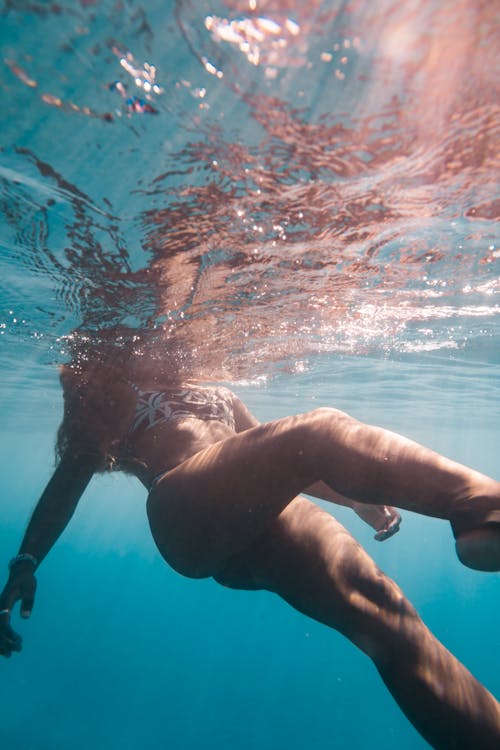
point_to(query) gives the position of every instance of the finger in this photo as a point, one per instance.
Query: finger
(15, 641)
(9, 597)
(28, 598)
(26, 608)
(8, 646)
(9, 639)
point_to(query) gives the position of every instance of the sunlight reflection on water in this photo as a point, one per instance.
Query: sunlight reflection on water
(330, 191)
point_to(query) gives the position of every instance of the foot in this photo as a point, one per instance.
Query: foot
(391, 528)
(480, 548)
(476, 528)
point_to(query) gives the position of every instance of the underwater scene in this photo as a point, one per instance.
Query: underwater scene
(297, 201)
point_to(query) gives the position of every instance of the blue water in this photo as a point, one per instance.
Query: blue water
(312, 218)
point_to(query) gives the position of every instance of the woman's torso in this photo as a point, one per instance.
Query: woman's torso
(170, 424)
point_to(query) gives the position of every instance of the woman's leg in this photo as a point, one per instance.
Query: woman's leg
(221, 498)
(312, 562)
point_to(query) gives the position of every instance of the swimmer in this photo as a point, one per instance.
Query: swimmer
(224, 501)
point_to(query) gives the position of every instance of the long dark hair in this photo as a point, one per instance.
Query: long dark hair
(98, 404)
(98, 395)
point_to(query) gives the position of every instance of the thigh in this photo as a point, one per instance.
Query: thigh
(309, 559)
(220, 500)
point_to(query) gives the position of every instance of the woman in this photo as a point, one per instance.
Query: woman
(224, 502)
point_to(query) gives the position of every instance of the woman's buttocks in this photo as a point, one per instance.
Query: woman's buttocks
(180, 508)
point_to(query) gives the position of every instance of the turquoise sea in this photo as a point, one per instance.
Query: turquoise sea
(298, 200)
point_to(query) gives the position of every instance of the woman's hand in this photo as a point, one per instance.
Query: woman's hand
(21, 586)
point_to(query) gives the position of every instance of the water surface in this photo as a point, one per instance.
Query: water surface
(300, 200)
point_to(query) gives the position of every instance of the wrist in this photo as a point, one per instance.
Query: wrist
(23, 557)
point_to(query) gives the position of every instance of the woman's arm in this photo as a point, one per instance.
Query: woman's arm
(243, 417)
(57, 505)
(50, 517)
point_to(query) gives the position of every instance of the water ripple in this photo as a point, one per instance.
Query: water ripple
(314, 180)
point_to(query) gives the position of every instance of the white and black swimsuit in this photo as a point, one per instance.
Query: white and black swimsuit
(190, 402)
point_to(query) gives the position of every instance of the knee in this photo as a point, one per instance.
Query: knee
(326, 421)
(328, 413)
